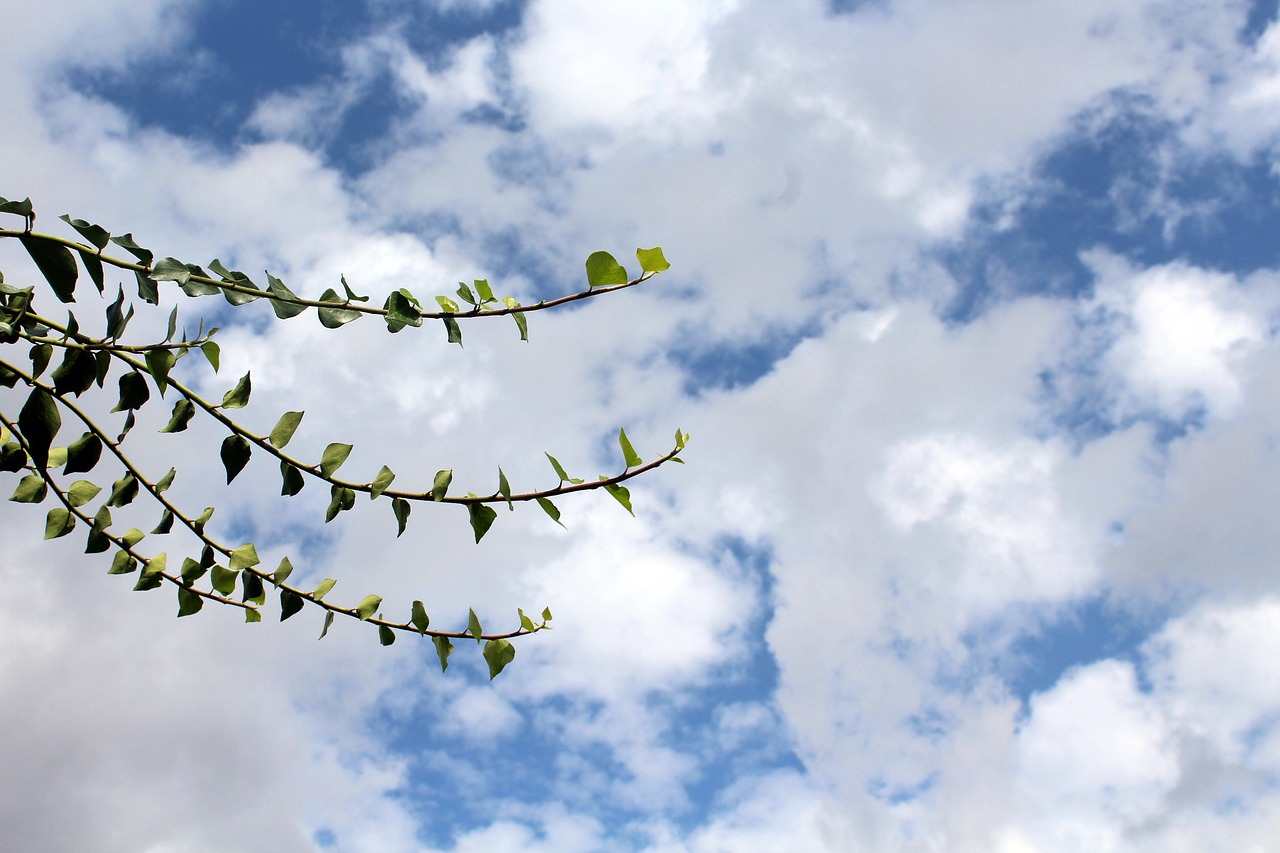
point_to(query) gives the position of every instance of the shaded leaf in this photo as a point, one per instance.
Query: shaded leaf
(39, 421)
(251, 588)
(401, 508)
(223, 580)
(444, 648)
(334, 455)
(293, 479)
(498, 653)
(328, 621)
(235, 454)
(56, 264)
(341, 499)
(166, 523)
(550, 509)
(59, 522)
(238, 397)
(482, 517)
(419, 617)
(123, 491)
(83, 454)
(188, 602)
(621, 495)
(441, 484)
(285, 428)
(183, 411)
(381, 482)
(134, 392)
(122, 563)
(212, 353)
(284, 309)
(504, 488)
(96, 235)
(191, 571)
(159, 363)
(473, 625)
(32, 489)
(333, 318)
(290, 603)
(386, 636)
(76, 373)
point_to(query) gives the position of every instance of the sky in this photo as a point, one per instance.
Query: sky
(973, 317)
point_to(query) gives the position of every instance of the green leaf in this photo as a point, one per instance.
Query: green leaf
(482, 517)
(341, 499)
(651, 260)
(76, 373)
(191, 571)
(81, 492)
(447, 305)
(56, 264)
(290, 603)
(564, 478)
(12, 457)
(97, 542)
(504, 488)
(40, 355)
(212, 353)
(116, 320)
(550, 509)
(351, 296)
(621, 495)
(199, 525)
(681, 438)
(57, 457)
(251, 614)
(251, 586)
(282, 571)
(333, 318)
(123, 491)
(525, 622)
(166, 523)
(170, 269)
(441, 485)
(323, 589)
(603, 269)
(125, 241)
(293, 479)
(368, 606)
(498, 653)
(122, 563)
(129, 422)
(32, 489)
(328, 621)
(454, 330)
(285, 428)
(59, 522)
(334, 455)
(628, 452)
(419, 617)
(183, 411)
(238, 397)
(473, 625)
(386, 636)
(163, 484)
(223, 580)
(402, 310)
(284, 309)
(401, 508)
(381, 482)
(235, 454)
(235, 297)
(546, 614)
(522, 322)
(39, 421)
(444, 648)
(134, 392)
(94, 234)
(159, 363)
(151, 571)
(188, 602)
(244, 557)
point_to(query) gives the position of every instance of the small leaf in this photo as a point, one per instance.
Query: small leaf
(188, 602)
(159, 363)
(522, 322)
(166, 523)
(235, 454)
(351, 296)
(482, 517)
(125, 241)
(323, 589)
(651, 260)
(251, 614)
(381, 482)
(550, 509)
(386, 636)
(498, 653)
(132, 537)
(368, 606)
(447, 305)
(151, 571)
(282, 571)
(441, 485)
(238, 397)
(419, 617)
(504, 488)
(525, 622)
(212, 353)
(453, 329)
(183, 411)
(122, 563)
(473, 625)
(170, 269)
(341, 499)
(328, 621)
(560, 472)
(56, 264)
(603, 269)
(401, 508)
(284, 303)
(223, 580)
(123, 491)
(334, 455)
(628, 452)
(94, 234)
(285, 428)
(39, 421)
(290, 603)
(40, 355)
(251, 586)
(333, 318)
(293, 479)
(444, 648)
(546, 614)
(81, 492)
(191, 571)
(134, 392)
(621, 495)
(166, 481)
(59, 522)
(32, 489)
(244, 557)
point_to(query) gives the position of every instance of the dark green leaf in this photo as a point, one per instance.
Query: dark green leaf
(628, 452)
(332, 318)
(341, 499)
(386, 636)
(170, 269)
(368, 606)
(401, 508)
(522, 322)
(188, 602)
(134, 392)
(21, 208)
(444, 648)
(293, 480)
(39, 421)
(59, 522)
(147, 290)
(40, 355)
(651, 260)
(235, 455)
(238, 397)
(94, 234)
(32, 489)
(151, 571)
(290, 603)
(12, 457)
(284, 309)
(129, 422)
(125, 241)
(285, 428)
(498, 653)
(56, 264)
(351, 296)
(159, 363)
(482, 517)
(117, 321)
(334, 455)
(76, 373)
(454, 330)
(465, 294)
(166, 523)
(191, 571)
(419, 618)
(402, 310)
(381, 482)
(183, 411)
(251, 586)
(603, 270)
(441, 485)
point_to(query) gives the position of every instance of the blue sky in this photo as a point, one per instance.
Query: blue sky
(972, 316)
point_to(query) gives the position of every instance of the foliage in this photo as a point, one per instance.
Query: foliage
(83, 365)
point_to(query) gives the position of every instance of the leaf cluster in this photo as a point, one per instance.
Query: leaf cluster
(63, 363)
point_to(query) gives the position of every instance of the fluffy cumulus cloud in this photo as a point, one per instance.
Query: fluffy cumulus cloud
(971, 317)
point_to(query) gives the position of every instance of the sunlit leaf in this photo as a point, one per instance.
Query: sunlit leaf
(381, 482)
(368, 606)
(401, 508)
(603, 269)
(651, 260)
(223, 579)
(238, 397)
(621, 495)
(81, 492)
(323, 589)
(628, 452)
(32, 489)
(441, 484)
(59, 522)
(328, 621)
(473, 625)
(244, 557)
(550, 509)
(419, 617)
(444, 648)
(284, 429)
(498, 653)
(334, 455)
